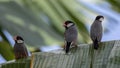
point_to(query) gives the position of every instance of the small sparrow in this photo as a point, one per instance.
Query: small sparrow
(19, 48)
(96, 31)
(70, 35)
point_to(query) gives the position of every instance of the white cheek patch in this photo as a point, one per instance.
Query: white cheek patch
(20, 41)
(69, 24)
(101, 19)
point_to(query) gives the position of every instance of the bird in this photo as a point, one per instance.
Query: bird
(70, 35)
(96, 31)
(20, 49)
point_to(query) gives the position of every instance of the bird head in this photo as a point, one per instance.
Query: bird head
(18, 39)
(99, 18)
(68, 24)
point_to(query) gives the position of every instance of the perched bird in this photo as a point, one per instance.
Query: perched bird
(19, 48)
(70, 35)
(96, 31)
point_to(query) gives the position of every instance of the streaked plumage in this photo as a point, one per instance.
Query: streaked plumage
(96, 31)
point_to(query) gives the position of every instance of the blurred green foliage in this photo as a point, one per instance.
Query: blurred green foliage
(39, 22)
(6, 51)
(115, 4)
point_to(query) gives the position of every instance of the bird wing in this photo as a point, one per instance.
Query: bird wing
(96, 31)
(71, 34)
(25, 50)
(20, 51)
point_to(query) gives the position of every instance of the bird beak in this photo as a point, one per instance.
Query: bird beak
(15, 38)
(64, 25)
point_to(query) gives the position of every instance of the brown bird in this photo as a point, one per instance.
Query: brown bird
(19, 48)
(71, 35)
(96, 31)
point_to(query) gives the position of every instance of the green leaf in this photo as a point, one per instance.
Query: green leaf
(6, 50)
(84, 56)
(18, 21)
(107, 56)
(115, 4)
(41, 20)
(22, 63)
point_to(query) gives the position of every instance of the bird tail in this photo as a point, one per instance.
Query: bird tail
(67, 48)
(96, 45)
